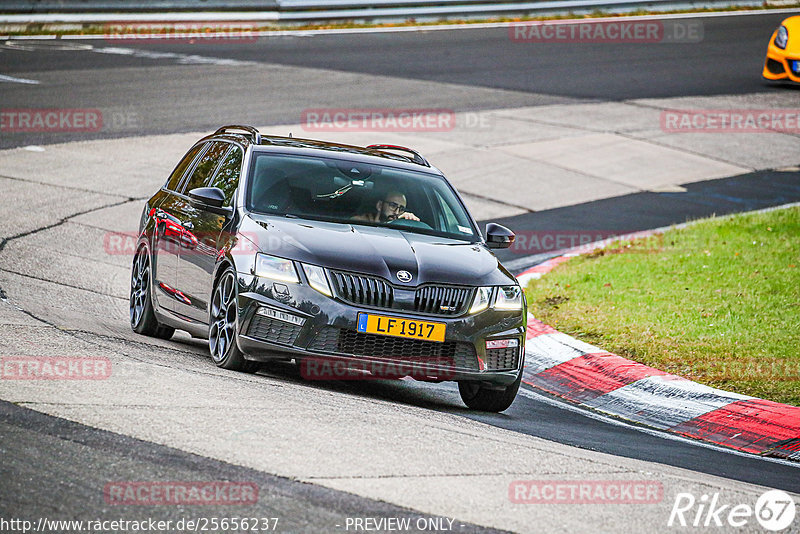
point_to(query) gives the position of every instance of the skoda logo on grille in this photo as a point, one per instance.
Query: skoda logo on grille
(404, 276)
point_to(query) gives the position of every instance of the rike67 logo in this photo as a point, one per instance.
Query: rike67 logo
(774, 511)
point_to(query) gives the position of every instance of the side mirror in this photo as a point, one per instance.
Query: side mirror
(499, 236)
(210, 198)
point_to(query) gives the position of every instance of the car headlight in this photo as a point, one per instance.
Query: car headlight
(276, 268)
(782, 38)
(481, 300)
(317, 279)
(508, 298)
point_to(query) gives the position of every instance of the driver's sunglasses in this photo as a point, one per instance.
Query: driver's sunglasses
(399, 208)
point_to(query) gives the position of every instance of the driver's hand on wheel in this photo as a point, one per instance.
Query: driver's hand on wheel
(408, 215)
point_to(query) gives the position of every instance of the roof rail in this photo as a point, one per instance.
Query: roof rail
(416, 156)
(249, 129)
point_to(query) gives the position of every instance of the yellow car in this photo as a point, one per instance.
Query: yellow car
(783, 52)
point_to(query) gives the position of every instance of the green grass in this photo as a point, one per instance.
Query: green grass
(717, 302)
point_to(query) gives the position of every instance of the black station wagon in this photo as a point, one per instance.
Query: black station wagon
(354, 262)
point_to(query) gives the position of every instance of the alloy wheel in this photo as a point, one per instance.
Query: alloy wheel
(140, 285)
(223, 317)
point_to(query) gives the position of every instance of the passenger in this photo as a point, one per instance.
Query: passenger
(392, 207)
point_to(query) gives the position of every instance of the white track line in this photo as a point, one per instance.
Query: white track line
(11, 79)
(182, 59)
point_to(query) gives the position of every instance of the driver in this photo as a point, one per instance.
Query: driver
(392, 207)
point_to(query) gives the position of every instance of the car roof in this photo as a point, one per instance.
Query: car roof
(306, 147)
(390, 155)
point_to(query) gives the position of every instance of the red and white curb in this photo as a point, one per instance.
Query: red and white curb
(588, 376)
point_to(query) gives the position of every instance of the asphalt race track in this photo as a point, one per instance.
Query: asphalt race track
(324, 452)
(498, 73)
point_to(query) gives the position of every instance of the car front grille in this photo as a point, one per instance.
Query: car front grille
(350, 343)
(443, 300)
(362, 290)
(273, 330)
(502, 359)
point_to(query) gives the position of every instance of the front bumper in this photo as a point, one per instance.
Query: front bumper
(300, 322)
(780, 65)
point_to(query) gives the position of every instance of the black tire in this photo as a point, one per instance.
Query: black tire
(224, 326)
(478, 397)
(143, 319)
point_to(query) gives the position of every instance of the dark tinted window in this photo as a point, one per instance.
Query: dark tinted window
(227, 176)
(205, 167)
(339, 190)
(177, 174)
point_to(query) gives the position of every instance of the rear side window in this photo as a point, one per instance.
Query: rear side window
(177, 174)
(227, 176)
(205, 167)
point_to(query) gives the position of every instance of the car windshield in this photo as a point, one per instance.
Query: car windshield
(339, 190)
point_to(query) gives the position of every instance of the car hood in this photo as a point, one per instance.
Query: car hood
(378, 251)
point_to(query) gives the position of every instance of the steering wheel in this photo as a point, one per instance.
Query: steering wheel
(410, 223)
